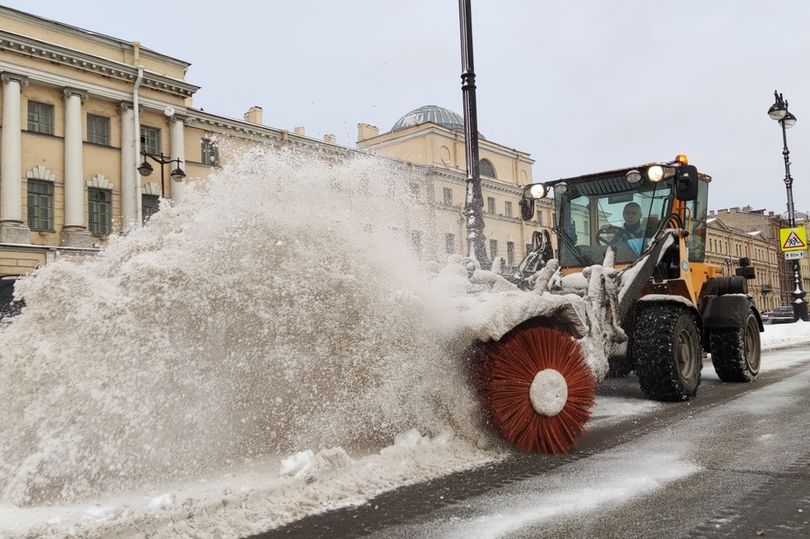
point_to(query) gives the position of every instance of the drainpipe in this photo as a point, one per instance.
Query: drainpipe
(136, 47)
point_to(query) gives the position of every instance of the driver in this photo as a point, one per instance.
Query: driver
(632, 220)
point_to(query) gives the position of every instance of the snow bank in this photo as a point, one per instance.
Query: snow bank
(785, 335)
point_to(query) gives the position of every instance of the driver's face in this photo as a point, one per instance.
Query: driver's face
(632, 215)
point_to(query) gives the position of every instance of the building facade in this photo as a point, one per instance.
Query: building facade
(433, 137)
(81, 112)
(725, 245)
(734, 233)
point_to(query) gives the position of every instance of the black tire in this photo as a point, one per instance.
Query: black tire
(620, 366)
(736, 351)
(667, 352)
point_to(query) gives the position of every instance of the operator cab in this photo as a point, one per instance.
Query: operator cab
(625, 209)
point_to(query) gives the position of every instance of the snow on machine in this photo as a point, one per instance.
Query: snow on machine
(627, 289)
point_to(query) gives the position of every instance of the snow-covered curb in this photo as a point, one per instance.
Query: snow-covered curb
(778, 336)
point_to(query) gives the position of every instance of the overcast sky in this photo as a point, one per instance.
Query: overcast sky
(580, 85)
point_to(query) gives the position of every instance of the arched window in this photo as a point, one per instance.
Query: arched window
(486, 169)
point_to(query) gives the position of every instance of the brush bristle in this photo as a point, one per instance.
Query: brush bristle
(507, 374)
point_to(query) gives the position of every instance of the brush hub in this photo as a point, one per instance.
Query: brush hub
(548, 392)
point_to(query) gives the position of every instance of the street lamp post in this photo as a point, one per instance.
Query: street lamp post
(145, 169)
(474, 199)
(779, 112)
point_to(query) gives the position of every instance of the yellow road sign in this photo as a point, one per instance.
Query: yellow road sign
(793, 239)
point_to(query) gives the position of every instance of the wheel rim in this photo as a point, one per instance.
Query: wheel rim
(751, 343)
(687, 360)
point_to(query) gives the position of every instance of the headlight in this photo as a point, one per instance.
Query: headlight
(633, 176)
(560, 188)
(655, 173)
(537, 190)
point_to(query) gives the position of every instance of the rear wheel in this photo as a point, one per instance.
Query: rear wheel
(666, 349)
(736, 351)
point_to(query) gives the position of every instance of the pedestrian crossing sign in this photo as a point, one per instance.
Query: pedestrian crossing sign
(793, 239)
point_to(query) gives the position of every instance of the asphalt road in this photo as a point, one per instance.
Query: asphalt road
(734, 462)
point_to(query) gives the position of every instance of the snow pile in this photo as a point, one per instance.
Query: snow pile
(274, 311)
(785, 335)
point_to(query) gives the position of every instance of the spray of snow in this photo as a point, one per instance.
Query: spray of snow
(274, 311)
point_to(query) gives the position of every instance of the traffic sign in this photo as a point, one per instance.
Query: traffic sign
(795, 255)
(793, 239)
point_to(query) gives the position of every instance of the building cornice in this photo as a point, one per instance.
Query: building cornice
(207, 121)
(96, 90)
(58, 54)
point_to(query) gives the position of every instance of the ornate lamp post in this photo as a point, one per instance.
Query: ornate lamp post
(474, 200)
(145, 169)
(779, 112)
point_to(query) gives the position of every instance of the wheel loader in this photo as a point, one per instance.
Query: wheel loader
(652, 304)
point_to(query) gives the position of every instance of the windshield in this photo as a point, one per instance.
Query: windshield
(609, 211)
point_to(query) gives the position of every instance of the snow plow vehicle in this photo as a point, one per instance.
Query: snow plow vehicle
(639, 296)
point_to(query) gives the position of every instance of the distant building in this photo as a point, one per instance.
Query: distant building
(745, 232)
(72, 140)
(434, 137)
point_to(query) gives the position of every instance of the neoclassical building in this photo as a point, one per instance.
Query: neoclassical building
(81, 111)
(433, 137)
(754, 233)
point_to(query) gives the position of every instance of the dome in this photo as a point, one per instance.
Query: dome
(432, 113)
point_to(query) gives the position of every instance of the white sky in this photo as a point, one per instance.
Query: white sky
(581, 85)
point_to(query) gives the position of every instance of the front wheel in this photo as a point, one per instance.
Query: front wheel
(666, 348)
(736, 351)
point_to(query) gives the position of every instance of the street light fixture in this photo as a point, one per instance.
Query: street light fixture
(779, 112)
(145, 169)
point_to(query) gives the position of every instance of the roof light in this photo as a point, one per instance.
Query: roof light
(633, 176)
(655, 173)
(682, 159)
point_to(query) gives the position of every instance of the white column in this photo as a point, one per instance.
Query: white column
(74, 160)
(11, 155)
(177, 142)
(129, 202)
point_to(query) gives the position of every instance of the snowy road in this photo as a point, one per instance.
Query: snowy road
(732, 463)
(644, 469)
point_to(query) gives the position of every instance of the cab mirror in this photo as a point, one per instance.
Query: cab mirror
(686, 183)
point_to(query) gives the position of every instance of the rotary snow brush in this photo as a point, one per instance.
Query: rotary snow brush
(538, 388)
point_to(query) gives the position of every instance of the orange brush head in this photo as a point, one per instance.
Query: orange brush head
(506, 377)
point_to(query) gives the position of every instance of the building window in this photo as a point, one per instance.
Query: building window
(507, 209)
(210, 152)
(493, 249)
(150, 204)
(448, 196)
(40, 117)
(40, 205)
(413, 190)
(510, 253)
(450, 243)
(539, 217)
(98, 129)
(485, 168)
(150, 139)
(416, 242)
(490, 205)
(100, 209)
